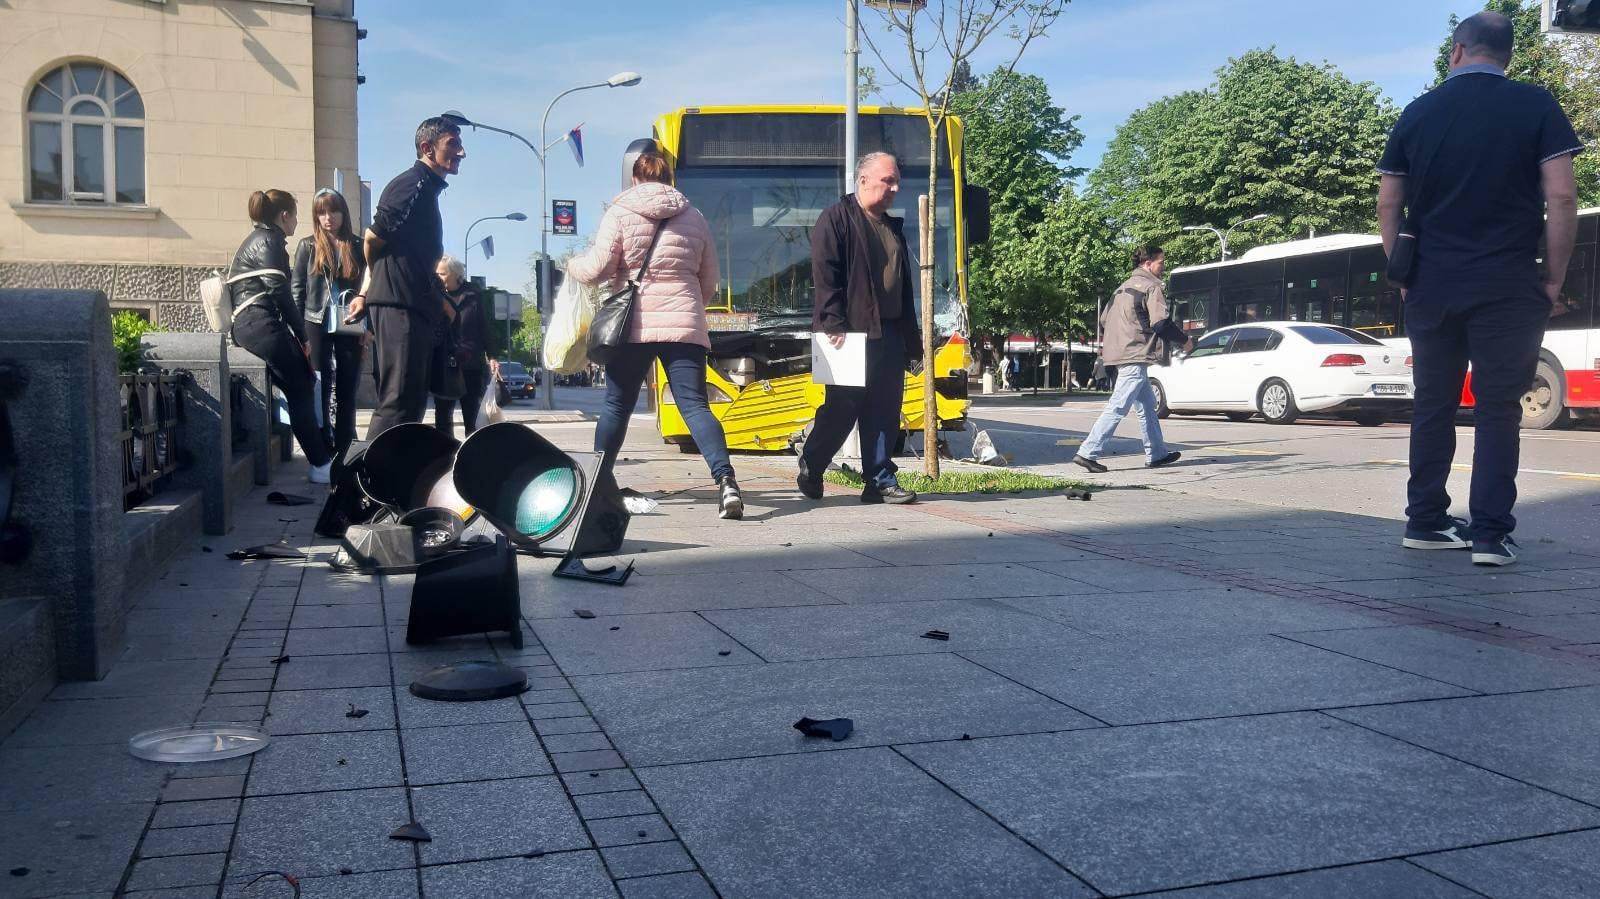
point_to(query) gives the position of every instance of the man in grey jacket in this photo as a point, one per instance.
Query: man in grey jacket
(1135, 331)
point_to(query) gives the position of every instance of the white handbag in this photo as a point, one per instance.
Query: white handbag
(216, 299)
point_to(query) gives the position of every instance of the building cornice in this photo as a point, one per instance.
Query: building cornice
(58, 210)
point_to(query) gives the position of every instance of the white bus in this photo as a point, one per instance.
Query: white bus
(1339, 280)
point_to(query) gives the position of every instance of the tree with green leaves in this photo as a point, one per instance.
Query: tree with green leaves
(1075, 250)
(1018, 144)
(1567, 66)
(1296, 141)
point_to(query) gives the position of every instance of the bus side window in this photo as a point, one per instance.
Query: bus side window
(1375, 309)
(1575, 308)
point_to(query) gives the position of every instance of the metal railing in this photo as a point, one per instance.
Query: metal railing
(151, 409)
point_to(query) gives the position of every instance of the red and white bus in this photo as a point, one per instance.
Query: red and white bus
(1339, 280)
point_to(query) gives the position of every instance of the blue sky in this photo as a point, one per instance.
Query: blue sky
(501, 61)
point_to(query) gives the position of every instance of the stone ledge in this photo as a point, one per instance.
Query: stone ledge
(27, 643)
(52, 210)
(157, 531)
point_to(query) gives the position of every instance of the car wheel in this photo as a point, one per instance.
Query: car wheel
(1162, 411)
(1544, 406)
(1371, 419)
(1240, 416)
(1277, 403)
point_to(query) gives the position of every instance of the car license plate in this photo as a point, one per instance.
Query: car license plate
(1390, 389)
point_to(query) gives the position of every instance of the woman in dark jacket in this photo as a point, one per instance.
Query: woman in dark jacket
(268, 323)
(326, 264)
(469, 335)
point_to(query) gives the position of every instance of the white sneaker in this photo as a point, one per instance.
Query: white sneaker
(320, 474)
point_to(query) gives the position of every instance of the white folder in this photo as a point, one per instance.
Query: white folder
(844, 366)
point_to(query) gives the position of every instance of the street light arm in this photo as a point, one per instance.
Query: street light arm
(525, 142)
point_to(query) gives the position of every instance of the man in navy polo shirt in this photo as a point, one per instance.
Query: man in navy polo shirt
(1485, 166)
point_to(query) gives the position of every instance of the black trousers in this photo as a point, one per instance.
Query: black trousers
(874, 410)
(264, 335)
(444, 410)
(402, 347)
(338, 359)
(1500, 337)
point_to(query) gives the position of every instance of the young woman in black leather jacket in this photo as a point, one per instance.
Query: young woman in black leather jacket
(326, 264)
(268, 323)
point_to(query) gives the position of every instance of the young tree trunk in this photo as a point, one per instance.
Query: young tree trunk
(930, 417)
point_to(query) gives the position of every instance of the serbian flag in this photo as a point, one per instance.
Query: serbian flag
(575, 140)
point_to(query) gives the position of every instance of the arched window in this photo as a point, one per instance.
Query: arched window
(85, 137)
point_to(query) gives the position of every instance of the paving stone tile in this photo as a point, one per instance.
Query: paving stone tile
(565, 875)
(251, 673)
(1538, 602)
(496, 818)
(699, 714)
(741, 559)
(1491, 581)
(1171, 805)
(1571, 628)
(647, 859)
(1180, 612)
(329, 641)
(577, 725)
(969, 547)
(189, 789)
(639, 643)
(1455, 659)
(192, 814)
(1117, 576)
(586, 761)
(546, 683)
(1554, 867)
(890, 628)
(241, 686)
(70, 774)
(327, 711)
(1398, 588)
(615, 805)
(175, 893)
(541, 697)
(334, 672)
(953, 581)
(589, 782)
(1132, 682)
(184, 676)
(178, 871)
(418, 712)
(376, 885)
(359, 615)
(1378, 879)
(1550, 739)
(882, 814)
(50, 840)
(576, 742)
(81, 722)
(667, 886)
(226, 700)
(629, 830)
(186, 840)
(473, 752)
(310, 762)
(557, 710)
(546, 597)
(316, 834)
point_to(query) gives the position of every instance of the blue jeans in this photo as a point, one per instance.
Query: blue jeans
(1132, 392)
(686, 373)
(1500, 337)
(874, 410)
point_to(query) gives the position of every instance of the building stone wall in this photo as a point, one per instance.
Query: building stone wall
(239, 95)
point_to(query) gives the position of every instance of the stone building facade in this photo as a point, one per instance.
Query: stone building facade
(132, 133)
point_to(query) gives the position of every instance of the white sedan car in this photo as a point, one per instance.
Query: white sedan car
(1284, 370)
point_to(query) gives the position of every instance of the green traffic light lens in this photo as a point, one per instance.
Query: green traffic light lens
(547, 501)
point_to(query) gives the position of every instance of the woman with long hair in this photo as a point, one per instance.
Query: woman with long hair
(669, 315)
(267, 322)
(326, 265)
(469, 338)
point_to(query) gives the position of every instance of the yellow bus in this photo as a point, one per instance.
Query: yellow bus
(762, 175)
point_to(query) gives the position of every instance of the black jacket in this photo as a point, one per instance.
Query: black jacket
(266, 248)
(310, 284)
(470, 327)
(407, 220)
(841, 270)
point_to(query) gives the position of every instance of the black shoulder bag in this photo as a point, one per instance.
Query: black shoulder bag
(1402, 265)
(609, 330)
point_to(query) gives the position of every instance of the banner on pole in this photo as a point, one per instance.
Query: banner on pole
(563, 216)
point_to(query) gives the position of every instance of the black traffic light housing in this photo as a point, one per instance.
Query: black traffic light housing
(1571, 16)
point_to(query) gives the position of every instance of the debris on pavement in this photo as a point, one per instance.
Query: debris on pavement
(356, 713)
(290, 879)
(835, 729)
(583, 613)
(984, 453)
(412, 831)
(937, 635)
(573, 568)
(281, 659)
(267, 551)
(279, 498)
(637, 503)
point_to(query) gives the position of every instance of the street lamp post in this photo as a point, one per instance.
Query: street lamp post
(541, 151)
(466, 242)
(1222, 236)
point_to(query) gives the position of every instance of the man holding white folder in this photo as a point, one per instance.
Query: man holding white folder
(862, 274)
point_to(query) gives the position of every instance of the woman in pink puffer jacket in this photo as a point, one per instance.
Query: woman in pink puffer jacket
(669, 316)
